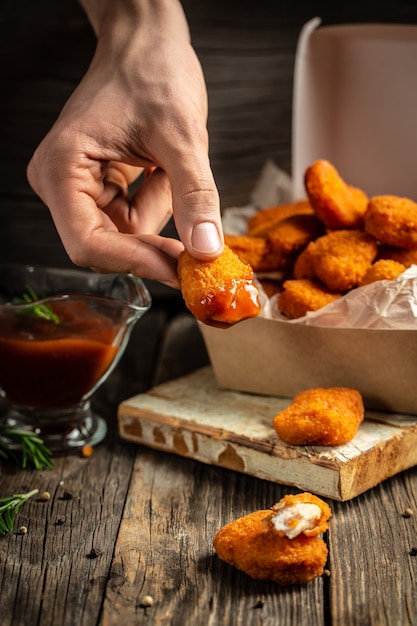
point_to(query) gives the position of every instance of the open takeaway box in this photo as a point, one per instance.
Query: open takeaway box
(354, 97)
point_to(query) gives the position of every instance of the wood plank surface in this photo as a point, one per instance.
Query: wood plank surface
(151, 514)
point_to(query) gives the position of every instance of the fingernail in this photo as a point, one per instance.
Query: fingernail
(205, 238)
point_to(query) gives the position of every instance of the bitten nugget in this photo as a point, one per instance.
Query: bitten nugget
(337, 204)
(322, 417)
(392, 220)
(301, 296)
(342, 257)
(253, 250)
(220, 292)
(384, 269)
(260, 223)
(279, 544)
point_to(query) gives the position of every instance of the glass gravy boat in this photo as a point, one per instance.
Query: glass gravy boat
(62, 332)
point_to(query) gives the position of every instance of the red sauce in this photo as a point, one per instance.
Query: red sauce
(47, 365)
(237, 302)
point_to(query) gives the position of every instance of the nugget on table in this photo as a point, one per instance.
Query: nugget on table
(281, 544)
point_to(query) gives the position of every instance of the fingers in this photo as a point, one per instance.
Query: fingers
(196, 207)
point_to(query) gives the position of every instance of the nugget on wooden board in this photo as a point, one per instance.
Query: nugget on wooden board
(321, 416)
(220, 292)
(392, 220)
(281, 544)
(336, 203)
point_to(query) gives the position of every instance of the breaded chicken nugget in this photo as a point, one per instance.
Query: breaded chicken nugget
(337, 204)
(303, 295)
(253, 250)
(401, 255)
(322, 417)
(292, 234)
(342, 257)
(258, 543)
(304, 263)
(220, 292)
(383, 269)
(392, 220)
(260, 223)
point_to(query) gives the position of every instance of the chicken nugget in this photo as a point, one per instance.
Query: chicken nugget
(336, 203)
(260, 224)
(303, 295)
(392, 220)
(265, 545)
(406, 257)
(342, 257)
(253, 250)
(304, 263)
(292, 234)
(220, 292)
(321, 416)
(383, 269)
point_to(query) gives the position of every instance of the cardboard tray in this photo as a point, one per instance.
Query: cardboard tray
(193, 417)
(354, 104)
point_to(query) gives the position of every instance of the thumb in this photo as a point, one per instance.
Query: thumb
(196, 209)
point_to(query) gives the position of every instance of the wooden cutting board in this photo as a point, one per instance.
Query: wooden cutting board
(193, 417)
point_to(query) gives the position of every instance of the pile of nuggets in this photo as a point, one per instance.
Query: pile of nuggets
(335, 240)
(281, 544)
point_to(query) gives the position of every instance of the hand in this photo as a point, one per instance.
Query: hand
(142, 104)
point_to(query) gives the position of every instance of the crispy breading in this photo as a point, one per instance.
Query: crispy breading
(392, 220)
(304, 263)
(303, 295)
(252, 545)
(219, 292)
(292, 234)
(383, 269)
(336, 203)
(253, 250)
(406, 257)
(342, 257)
(321, 416)
(260, 223)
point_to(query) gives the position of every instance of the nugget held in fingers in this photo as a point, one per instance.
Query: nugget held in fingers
(301, 296)
(336, 203)
(321, 416)
(392, 220)
(342, 257)
(279, 544)
(220, 292)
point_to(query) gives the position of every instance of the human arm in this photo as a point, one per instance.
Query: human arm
(141, 104)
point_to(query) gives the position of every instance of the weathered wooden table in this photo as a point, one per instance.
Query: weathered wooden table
(150, 516)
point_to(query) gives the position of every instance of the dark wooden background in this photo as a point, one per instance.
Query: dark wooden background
(247, 52)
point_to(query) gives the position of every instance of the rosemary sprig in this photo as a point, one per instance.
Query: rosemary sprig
(40, 310)
(10, 507)
(32, 448)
